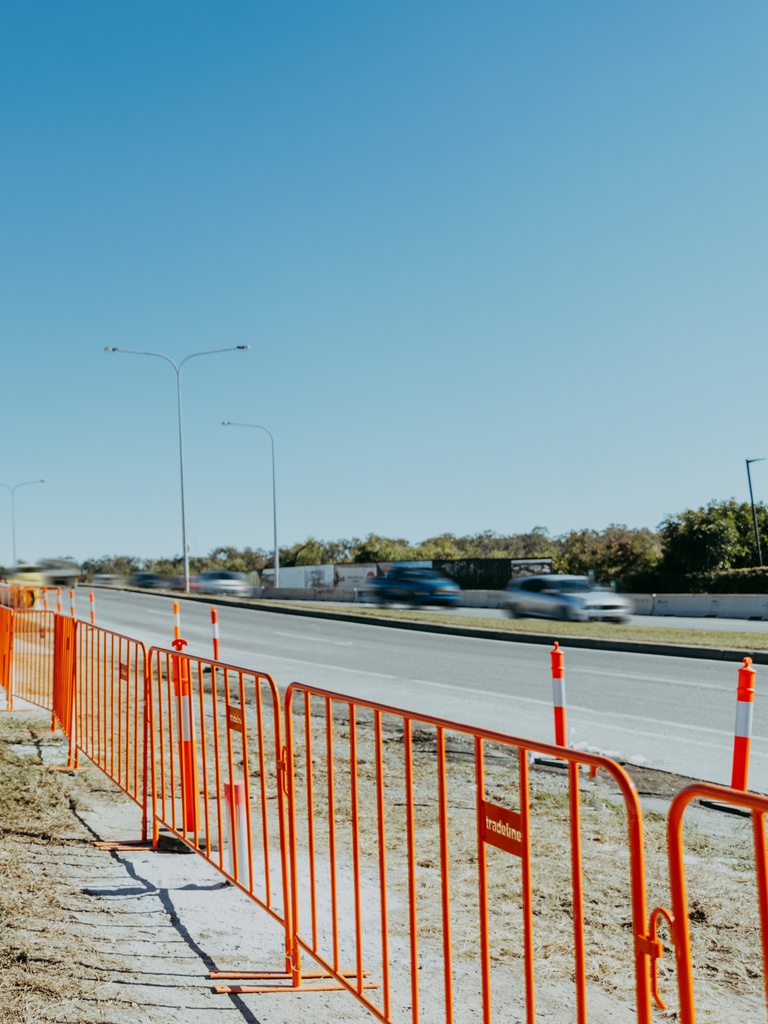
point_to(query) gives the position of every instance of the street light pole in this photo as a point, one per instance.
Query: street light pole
(258, 426)
(754, 513)
(24, 483)
(177, 368)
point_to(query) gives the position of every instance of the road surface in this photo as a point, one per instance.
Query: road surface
(675, 714)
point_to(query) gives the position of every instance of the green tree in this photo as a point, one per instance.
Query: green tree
(719, 535)
(383, 549)
(608, 554)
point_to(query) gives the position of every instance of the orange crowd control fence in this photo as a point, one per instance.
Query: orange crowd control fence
(417, 841)
(64, 673)
(6, 656)
(111, 726)
(687, 915)
(392, 848)
(33, 657)
(217, 769)
(19, 597)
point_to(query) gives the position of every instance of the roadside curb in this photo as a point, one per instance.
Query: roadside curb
(588, 643)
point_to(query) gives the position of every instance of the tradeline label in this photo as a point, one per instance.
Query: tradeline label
(235, 719)
(503, 828)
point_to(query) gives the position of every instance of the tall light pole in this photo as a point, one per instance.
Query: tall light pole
(24, 483)
(754, 513)
(177, 367)
(258, 426)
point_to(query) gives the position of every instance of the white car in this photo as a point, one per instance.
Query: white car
(570, 598)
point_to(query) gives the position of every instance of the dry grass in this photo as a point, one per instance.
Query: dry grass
(37, 981)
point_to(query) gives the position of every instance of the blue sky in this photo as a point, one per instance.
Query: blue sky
(500, 264)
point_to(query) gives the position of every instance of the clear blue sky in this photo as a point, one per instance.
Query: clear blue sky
(501, 264)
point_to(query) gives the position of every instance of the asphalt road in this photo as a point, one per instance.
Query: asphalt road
(675, 714)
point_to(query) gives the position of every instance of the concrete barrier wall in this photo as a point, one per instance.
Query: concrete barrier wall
(723, 606)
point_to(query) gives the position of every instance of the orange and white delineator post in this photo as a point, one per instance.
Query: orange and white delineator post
(93, 608)
(215, 627)
(182, 688)
(176, 622)
(58, 600)
(558, 694)
(72, 602)
(745, 696)
(237, 820)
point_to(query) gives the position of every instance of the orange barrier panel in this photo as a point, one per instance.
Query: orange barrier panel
(64, 669)
(679, 920)
(217, 771)
(112, 727)
(18, 597)
(33, 657)
(6, 655)
(408, 830)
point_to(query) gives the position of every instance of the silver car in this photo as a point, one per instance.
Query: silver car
(220, 581)
(570, 598)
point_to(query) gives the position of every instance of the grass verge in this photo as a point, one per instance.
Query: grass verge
(558, 630)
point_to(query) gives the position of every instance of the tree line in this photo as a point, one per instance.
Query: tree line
(711, 547)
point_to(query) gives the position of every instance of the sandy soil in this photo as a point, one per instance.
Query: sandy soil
(94, 937)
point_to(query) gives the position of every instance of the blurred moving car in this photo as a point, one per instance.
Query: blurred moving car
(179, 583)
(107, 579)
(60, 572)
(28, 574)
(224, 583)
(407, 584)
(147, 580)
(569, 598)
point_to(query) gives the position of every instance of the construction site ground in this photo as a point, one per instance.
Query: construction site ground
(89, 936)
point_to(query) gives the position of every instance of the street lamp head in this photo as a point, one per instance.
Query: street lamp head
(226, 423)
(243, 348)
(110, 349)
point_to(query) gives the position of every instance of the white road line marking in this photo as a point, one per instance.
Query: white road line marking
(648, 679)
(314, 639)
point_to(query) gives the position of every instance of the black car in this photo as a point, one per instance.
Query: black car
(147, 580)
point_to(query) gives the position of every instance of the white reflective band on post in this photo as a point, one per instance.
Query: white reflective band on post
(744, 717)
(186, 720)
(558, 693)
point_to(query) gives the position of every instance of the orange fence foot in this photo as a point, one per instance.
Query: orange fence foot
(114, 845)
(281, 981)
